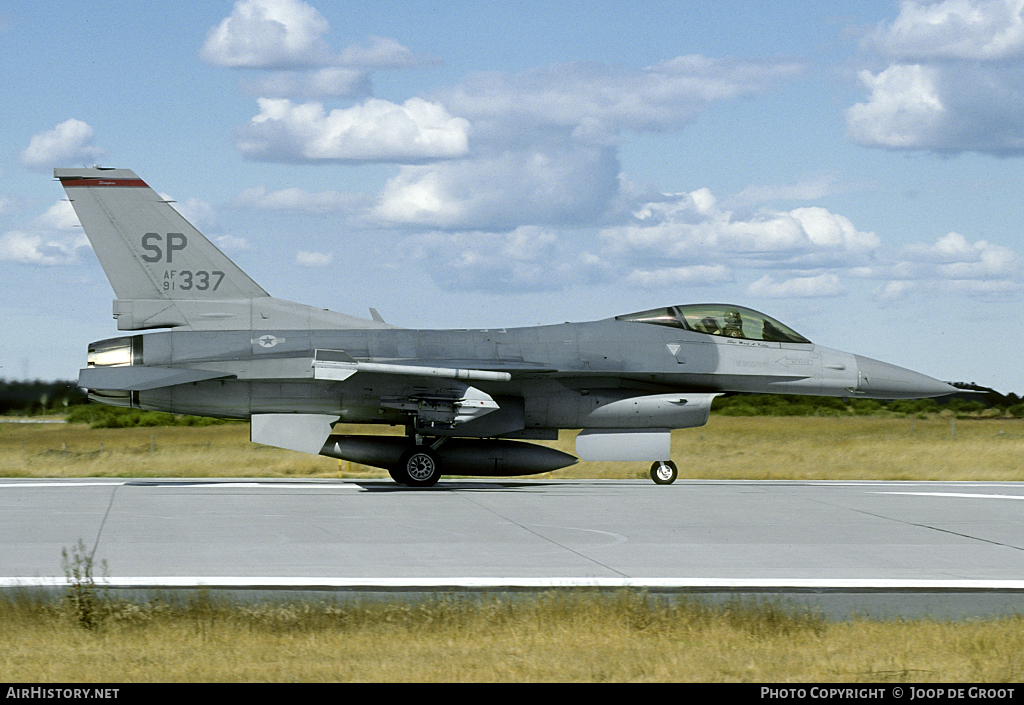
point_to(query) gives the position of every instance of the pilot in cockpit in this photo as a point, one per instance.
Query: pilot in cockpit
(733, 327)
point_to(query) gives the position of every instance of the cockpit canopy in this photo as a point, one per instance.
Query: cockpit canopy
(719, 319)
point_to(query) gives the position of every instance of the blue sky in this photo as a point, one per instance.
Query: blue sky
(854, 170)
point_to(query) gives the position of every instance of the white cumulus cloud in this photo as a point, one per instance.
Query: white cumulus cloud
(59, 216)
(383, 53)
(592, 97)
(198, 212)
(305, 258)
(67, 143)
(822, 285)
(951, 264)
(50, 239)
(376, 130)
(954, 79)
(332, 82)
(903, 110)
(268, 34)
(696, 275)
(893, 291)
(687, 226)
(290, 34)
(545, 141)
(528, 258)
(544, 184)
(232, 243)
(695, 241)
(299, 201)
(953, 29)
(40, 249)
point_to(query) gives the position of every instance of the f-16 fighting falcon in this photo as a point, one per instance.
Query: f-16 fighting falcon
(468, 399)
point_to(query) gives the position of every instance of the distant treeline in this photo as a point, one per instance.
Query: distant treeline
(973, 401)
(103, 416)
(38, 397)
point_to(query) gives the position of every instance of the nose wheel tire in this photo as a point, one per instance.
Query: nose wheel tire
(664, 472)
(419, 466)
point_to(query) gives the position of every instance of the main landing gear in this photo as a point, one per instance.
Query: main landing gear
(664, 472)
(420, 466)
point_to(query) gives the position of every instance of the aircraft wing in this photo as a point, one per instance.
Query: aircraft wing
(138, 378)
(328, 365)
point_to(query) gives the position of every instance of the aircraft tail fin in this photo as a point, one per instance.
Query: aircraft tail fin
(165, 273)
(148, 250)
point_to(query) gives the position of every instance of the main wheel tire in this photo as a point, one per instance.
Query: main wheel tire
(664, 472)
(421, 466)
(399, 475)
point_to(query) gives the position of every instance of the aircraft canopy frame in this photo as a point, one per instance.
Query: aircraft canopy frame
(724, 320)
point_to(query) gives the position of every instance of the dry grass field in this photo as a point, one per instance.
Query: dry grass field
(554, 638)
(582, 637)
(760, 448)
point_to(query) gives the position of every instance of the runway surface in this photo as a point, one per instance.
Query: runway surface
(877, 548)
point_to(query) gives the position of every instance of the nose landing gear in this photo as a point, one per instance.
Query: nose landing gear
(664, 472)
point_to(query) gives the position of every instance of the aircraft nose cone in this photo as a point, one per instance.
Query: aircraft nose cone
(881, 380)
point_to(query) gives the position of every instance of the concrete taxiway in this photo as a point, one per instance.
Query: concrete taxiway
(945, 550)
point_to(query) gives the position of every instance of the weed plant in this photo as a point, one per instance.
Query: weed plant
(82, 598)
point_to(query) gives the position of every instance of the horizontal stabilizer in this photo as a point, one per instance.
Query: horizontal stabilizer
(139, 379)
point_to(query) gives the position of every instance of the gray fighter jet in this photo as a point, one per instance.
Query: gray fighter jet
(466, 398)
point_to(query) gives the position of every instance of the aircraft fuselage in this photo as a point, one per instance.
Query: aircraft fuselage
(564, 374)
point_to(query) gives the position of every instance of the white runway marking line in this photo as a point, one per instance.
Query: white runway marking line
(963, 495)
(60, 483)
(428, 583)
(183, 484)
